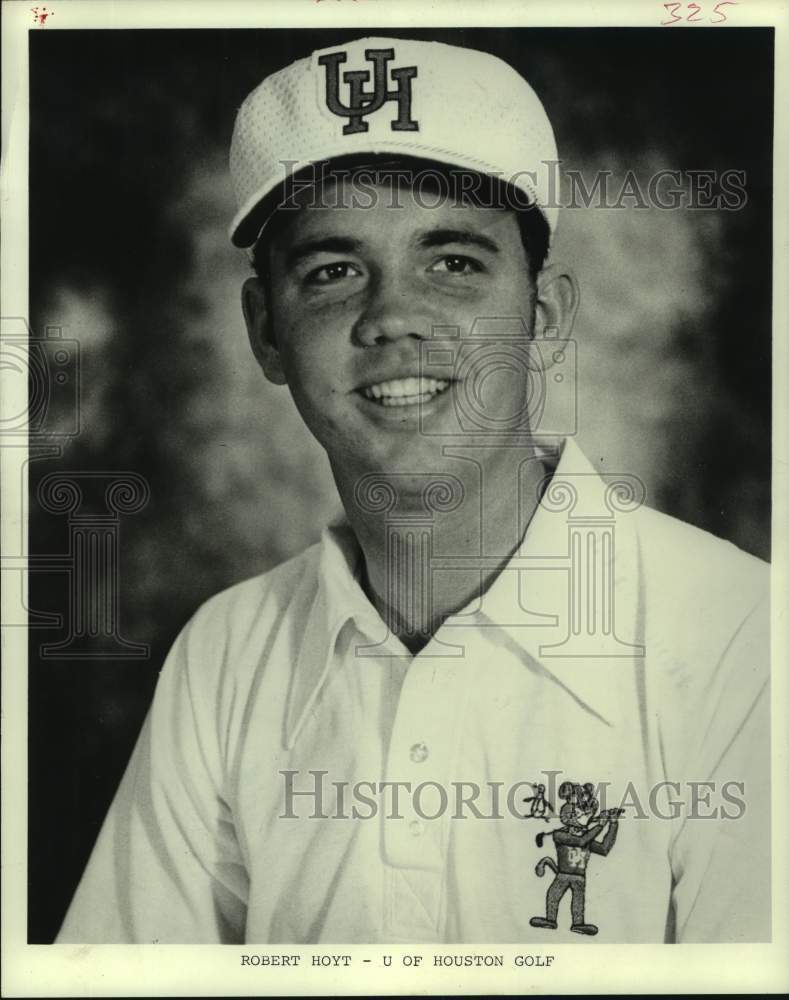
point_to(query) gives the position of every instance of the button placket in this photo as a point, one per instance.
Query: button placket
(422, 753)
(426, 707)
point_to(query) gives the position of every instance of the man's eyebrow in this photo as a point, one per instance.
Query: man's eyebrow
(466, 237)
(328, 244)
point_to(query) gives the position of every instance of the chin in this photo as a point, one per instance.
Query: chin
(398, 472)
(414, 455)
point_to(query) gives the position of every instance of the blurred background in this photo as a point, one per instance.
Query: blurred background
(129, 204)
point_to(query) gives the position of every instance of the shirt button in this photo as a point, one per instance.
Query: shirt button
(416, 828)
(419, 752)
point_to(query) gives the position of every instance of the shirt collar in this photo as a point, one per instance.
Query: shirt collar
(336, 598)
(531, 602)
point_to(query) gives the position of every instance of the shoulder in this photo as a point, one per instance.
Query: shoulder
(689, 572)
(234, 652)
(230, 633)
(266, 594)
(705, 608)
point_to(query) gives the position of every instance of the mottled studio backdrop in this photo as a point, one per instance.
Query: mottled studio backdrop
(129, 204)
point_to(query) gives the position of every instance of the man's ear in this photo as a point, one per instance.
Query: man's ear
(557, 303)
(259, 329)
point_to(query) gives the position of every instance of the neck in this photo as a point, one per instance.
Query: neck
(478, 503)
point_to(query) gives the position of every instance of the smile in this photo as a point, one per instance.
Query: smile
(405, 391)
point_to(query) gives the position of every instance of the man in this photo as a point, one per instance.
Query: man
(335, 747)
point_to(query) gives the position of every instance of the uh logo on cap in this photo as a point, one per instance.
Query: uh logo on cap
(364, 102)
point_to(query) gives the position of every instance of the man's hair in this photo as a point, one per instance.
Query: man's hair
(472, 188)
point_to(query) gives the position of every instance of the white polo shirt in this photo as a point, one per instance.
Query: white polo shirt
(618, 647)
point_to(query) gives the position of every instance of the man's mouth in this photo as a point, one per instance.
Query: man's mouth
(405, 391)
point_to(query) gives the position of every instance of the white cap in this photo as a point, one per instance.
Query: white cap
(429, 100)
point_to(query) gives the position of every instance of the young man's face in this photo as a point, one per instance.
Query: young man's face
(354, 292)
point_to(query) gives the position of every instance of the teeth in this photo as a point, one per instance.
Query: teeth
(403, 391)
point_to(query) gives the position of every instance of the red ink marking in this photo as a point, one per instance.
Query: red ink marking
(674, 16)
(40, 15)
(695, 12)
(723, 3)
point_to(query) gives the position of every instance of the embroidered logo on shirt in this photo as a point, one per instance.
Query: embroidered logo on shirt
(539, 804)
(575, 841)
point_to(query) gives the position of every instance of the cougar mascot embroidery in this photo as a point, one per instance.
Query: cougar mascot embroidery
(575, 842)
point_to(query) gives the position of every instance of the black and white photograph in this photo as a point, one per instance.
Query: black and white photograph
(396, 548)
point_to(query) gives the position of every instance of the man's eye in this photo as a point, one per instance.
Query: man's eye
(330, 273)
(456, 264)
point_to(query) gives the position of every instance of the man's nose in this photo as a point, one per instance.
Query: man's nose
(391, 313)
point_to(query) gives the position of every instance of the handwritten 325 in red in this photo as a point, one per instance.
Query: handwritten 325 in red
(695, 12)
